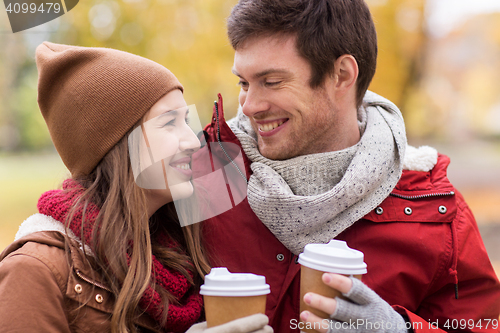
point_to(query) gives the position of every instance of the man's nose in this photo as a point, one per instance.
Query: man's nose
(253, 101)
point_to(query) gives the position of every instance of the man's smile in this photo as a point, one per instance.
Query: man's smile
(270, 127)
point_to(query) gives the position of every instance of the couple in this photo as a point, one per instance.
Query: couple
(324, 158)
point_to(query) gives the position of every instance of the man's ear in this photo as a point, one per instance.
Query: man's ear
(345, 72)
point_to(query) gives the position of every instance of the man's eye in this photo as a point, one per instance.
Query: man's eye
(243, 84)
(272, 83)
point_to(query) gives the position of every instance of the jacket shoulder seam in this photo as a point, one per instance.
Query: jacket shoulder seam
(58, 276)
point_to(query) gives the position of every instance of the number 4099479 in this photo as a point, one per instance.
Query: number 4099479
(470, 324)
(18, 8)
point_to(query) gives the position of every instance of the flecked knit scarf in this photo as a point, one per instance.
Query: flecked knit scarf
(313, 198)
(58, 203)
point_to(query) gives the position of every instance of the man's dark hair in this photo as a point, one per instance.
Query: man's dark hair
(325, 30)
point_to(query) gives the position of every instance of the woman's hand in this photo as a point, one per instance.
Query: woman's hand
(362, 311)
(256, 323)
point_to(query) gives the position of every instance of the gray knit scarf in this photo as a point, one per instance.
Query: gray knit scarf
(313, 198)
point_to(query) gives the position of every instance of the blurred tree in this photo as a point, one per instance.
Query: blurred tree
(21, 125)
(461, 86)
(188, 37)
(11, 55)
(33, 134)
(402, 39)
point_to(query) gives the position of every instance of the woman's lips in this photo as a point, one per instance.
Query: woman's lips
(183, 166)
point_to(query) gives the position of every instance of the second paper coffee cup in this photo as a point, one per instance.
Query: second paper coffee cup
(334, 257)
(229, 296)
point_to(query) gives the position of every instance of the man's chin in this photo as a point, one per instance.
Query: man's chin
(274, 153)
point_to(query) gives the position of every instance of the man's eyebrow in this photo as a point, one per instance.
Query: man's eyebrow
(235, 72)
(264, 73)
(271, 71)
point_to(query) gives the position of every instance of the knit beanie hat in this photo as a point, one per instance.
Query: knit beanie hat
(91, 97)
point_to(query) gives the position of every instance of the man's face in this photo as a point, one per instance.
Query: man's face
(289, 117)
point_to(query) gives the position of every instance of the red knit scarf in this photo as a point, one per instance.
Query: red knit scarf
(58, 203)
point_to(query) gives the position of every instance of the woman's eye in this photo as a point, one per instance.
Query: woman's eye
(170, 123)
(187, 120)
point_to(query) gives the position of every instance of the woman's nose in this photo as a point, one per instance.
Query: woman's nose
(189, 141)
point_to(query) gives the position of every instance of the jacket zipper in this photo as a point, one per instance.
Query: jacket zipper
(86, 279)
(220, 143)
(413, 197)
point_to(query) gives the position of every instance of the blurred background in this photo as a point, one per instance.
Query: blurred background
(439, 61)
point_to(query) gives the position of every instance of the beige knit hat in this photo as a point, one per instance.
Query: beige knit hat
(91, 97)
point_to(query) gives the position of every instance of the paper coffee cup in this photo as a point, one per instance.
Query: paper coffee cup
(334, 257)
(229, 296)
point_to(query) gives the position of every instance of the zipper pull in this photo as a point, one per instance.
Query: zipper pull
(216, 108)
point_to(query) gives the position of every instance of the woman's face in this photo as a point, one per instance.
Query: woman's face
(170, 142)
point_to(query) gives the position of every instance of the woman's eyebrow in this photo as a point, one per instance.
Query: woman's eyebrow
(167, 113)
(174, 112)
(170, 112)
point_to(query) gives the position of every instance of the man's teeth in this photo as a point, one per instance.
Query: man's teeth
(184, 166)
(270, 126)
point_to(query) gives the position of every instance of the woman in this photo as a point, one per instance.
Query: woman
(103, 254)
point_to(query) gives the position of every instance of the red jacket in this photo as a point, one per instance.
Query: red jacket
(419, 263)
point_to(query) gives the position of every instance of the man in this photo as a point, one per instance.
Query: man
(326, 159)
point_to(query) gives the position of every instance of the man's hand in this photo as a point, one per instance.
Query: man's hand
(364, 311)
(256, 323)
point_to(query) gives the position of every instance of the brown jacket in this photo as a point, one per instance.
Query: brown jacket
(43, 290)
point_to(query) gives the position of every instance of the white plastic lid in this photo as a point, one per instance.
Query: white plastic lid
(221, 282)
(334, 257)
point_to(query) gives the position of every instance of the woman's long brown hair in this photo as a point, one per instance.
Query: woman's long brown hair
(122, 221)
